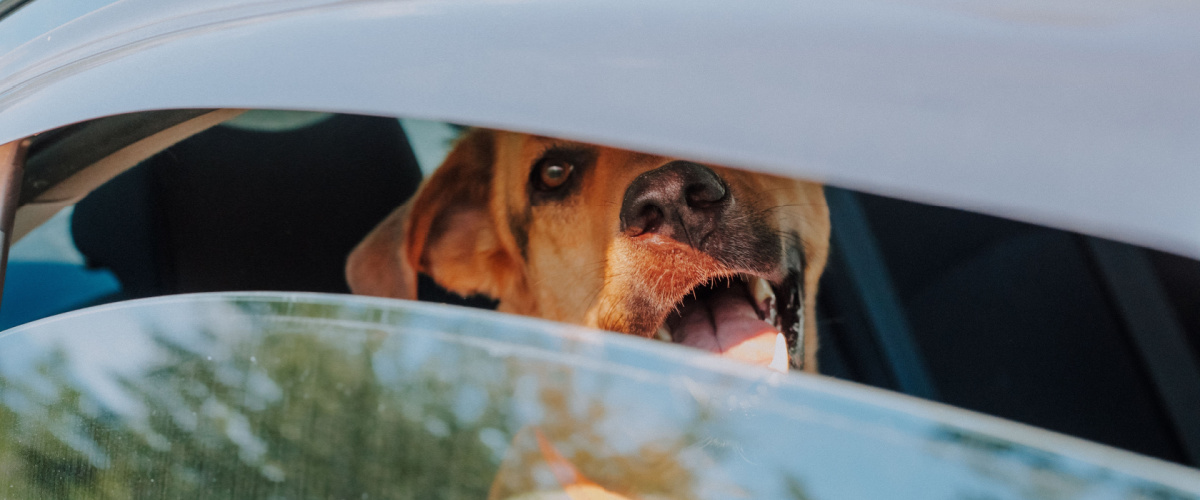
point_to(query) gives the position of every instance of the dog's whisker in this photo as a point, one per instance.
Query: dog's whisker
(788, 205)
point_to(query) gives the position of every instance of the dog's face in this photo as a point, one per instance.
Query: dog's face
(635, 243)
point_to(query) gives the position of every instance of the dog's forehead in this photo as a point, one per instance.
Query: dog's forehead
(534, 146)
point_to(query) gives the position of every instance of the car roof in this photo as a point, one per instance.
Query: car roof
(1076, 114)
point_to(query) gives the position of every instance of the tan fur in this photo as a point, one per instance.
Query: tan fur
(462, 229)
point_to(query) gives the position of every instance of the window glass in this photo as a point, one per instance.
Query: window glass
(282, 395)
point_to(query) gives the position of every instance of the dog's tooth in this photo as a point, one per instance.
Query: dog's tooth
(762, 290)
(663, 334)
(764, 299)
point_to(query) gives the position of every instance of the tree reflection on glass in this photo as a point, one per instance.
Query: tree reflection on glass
(1037, 474)
(575, 427)
(229, 430)
(313, 396)
(292, 408)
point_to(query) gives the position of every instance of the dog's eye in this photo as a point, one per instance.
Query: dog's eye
(558, 173)
(553, 174)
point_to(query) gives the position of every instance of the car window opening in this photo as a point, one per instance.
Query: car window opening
(992, 308)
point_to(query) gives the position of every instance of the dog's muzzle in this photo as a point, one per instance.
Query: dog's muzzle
(734, 308)
(681, 200)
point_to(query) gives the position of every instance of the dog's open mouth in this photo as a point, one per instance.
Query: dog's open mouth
(744, 317)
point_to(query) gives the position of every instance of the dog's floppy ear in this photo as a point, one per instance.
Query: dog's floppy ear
(377, 266)
(445, 231)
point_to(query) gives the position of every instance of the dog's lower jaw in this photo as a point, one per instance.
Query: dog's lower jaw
(634, 315)
(644, 279)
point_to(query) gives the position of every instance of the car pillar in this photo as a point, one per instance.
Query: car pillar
(12, 170)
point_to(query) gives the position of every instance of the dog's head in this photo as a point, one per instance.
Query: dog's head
(613, 239)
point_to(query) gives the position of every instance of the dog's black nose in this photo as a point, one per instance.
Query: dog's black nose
(681, 200)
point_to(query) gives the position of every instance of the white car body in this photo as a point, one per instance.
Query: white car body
(1078, 115)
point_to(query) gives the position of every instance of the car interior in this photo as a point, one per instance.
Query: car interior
(1051, 328)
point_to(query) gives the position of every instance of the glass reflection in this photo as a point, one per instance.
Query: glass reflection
(320, 396)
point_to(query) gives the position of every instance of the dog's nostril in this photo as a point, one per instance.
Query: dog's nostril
(647, 220)
(705, 194)
(651, 217)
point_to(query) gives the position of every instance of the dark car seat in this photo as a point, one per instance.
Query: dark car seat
(237, 209)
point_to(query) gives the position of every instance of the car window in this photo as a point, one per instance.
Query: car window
(1088, 337)
(266, 395)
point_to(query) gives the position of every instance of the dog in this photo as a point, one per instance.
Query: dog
(702, 255)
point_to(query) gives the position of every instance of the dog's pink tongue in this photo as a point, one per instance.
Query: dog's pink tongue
(727, 323)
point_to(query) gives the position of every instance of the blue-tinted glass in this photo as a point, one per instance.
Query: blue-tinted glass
(303, 395)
